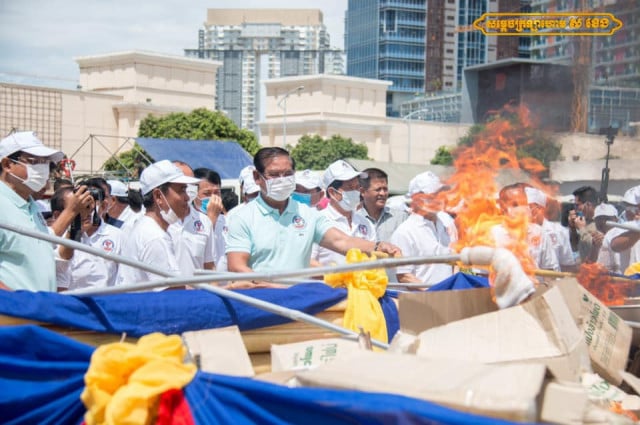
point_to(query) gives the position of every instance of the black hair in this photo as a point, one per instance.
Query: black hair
(61, 183)
(57, 199)
(135, 199)
(370, 174)
(267, 153)
(147, 200)
(586, 194)
(14, 157)
(336, 184)
(98, 181)
(205, 173)
(229, 200)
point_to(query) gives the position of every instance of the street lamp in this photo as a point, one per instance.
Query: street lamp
(406, 119)
(282, 103)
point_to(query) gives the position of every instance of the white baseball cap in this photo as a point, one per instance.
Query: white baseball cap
(632, 196)
(426, 182)
(118, 188)
(26, 141)
(308, 179)
(605, 210)
(535, 196)
(162, 172)
(247, 181)
(339, 170)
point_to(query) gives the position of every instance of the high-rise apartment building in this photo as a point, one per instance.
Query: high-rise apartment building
(613, 75)
(258, 44)
(385, 40)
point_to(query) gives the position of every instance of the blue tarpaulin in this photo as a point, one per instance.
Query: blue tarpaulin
(42, 377)
(175, 312)
(226, 158)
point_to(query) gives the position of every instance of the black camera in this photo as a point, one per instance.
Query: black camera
(610, 132)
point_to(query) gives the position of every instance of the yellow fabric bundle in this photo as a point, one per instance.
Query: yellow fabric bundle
(124, 379)
(632, 269)
(363, 290)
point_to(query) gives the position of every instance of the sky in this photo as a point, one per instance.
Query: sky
(40, 38)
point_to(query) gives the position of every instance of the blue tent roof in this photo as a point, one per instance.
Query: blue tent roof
(227, 158)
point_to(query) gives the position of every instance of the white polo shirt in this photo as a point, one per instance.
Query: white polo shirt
(559, 238)
(87, 270)
(615, 262)
(193, 241)
(419, 237)
(276, 241)
(540, 248)
(151, 245)
(361, 227)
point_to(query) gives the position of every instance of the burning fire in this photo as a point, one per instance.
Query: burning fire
(474, 186)
(595, 278)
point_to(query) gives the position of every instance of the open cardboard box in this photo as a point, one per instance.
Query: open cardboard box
(557, 327)
(504, 391)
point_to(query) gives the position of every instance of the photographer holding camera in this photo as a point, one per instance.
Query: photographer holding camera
(78, 269)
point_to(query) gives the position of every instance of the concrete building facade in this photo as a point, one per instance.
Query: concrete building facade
(115, 92)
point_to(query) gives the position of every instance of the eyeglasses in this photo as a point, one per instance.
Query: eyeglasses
(34, 160)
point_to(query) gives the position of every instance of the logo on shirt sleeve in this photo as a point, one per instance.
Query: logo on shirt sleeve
(298, 222)
(107, 245)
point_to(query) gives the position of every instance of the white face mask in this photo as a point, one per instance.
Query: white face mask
(169, 216)
(192, 191)
(350, 200)
(280, 188)
(37, 176)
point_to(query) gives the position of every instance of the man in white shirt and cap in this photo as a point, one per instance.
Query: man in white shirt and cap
(164, 188)
(423, 233)
(342, 184)
(558, 236)
(606, 256)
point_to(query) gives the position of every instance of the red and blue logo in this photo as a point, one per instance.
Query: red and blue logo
(198, 226)
(108, 245)
(299, 222)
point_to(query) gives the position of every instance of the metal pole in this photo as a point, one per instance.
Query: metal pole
(284, 124)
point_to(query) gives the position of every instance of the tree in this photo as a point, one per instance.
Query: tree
(199, 124)
(443, 156)
(316, 153)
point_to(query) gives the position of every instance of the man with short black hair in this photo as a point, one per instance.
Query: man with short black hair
(273, 232)
(374, 190)
(585, 237)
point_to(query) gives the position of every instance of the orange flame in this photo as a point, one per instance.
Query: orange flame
(595, 279)
(474, 185)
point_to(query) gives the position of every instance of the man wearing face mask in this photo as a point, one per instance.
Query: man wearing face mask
(164, 190)
(423, 233)
(193, 237)
(308, 188)
(514, 204)
(342, 184)
(25, 263)
(276, 233)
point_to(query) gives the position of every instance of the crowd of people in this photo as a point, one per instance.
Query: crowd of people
(179, 222)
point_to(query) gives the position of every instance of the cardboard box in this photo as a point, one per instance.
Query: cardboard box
(219, 350)
(419, 311)
(605, 333)
(541, 330)
(504, 391)
(564, 403)
(310, 354)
